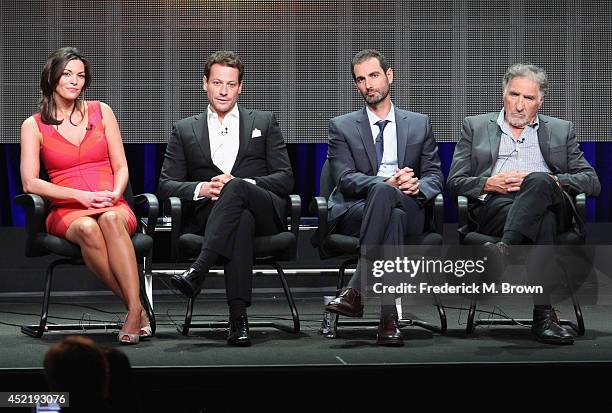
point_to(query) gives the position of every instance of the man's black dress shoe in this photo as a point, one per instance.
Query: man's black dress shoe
(189, 283)
(389, 333)
(239, 332)
(348, 303)
(546, 327)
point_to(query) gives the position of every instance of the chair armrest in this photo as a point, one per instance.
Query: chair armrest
(320, 203)
(439, 214)
(35, 212)
(295, 210)
(36, 209)
(151, 204)
(580, 202)
(174, 206)
(462, 210)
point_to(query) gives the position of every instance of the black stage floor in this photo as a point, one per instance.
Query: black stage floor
(174, 372)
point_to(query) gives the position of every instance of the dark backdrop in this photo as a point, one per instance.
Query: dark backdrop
(145, 164)
(449, 57)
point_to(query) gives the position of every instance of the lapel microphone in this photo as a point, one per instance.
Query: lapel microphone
(223, 131)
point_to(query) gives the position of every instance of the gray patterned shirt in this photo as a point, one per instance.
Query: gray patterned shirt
(523, 154)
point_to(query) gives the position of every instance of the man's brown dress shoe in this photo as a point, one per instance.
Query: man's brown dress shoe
(547, 329)
(348, 303)
(389, 333)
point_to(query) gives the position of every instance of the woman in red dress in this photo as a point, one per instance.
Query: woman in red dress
(81, 149)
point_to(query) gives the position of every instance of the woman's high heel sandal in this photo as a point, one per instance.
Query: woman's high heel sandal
(146, 332)
(128, 338)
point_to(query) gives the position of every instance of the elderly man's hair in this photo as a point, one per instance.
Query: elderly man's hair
(529, 71)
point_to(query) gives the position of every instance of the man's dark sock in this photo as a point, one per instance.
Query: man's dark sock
(512, 238)
(355, 283)
(388, 309)
(237, 308)
(205, 261)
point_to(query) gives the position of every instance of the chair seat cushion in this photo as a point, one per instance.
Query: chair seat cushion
(346, 244)
(265, 245)
(343, 244)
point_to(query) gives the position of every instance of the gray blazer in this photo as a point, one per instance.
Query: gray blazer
(476, 153)
(352, 157)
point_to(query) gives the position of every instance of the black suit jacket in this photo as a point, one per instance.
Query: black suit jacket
(352, 157)
(476, 153)
(188, 159)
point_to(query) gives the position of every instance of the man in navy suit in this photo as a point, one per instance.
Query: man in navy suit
(231, 166)
(385, 164)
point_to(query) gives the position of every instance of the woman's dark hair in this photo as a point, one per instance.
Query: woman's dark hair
(49, 78)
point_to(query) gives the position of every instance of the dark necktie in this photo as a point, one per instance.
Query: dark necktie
(379, 143)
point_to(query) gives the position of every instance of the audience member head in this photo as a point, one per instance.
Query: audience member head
(121, 395)
(76, 365)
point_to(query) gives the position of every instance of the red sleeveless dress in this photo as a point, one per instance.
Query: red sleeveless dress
(86, 167)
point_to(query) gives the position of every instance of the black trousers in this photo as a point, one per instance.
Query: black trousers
(538, 211)
(385, 218)
(230, 225)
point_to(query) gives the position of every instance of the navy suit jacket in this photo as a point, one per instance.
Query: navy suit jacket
(352, 157)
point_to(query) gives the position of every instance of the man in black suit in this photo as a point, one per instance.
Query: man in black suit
(386, 166)
(515, 166)
(232, 164)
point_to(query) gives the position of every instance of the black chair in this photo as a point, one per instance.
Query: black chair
(40, 243)
(469, 236)
(268, 250)
(346, 248)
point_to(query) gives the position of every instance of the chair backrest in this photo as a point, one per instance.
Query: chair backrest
(326, 181)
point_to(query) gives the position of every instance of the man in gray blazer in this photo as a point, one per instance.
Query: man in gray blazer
(516, 166)
(386, 166)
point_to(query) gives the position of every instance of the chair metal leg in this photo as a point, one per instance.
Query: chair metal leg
(290, 300)
(187, 324)
(442, 314)
(146, 296)
(38, 331)
(579, 319)
(469, 327)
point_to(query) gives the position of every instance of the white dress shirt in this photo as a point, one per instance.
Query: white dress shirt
(224, 140)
